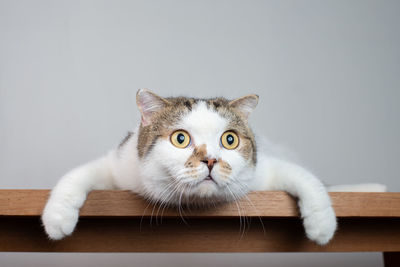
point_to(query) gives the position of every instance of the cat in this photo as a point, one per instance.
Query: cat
(188, 151)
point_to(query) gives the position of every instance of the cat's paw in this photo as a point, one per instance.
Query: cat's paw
(320, 226)
(59, 219)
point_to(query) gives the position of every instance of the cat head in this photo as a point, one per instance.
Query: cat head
(195, 150)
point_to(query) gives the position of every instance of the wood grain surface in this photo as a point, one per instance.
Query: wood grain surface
(119, 221)
(258, 204)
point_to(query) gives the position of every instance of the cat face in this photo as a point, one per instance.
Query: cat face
(195, 150)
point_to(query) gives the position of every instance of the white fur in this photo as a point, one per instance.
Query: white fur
(161, 176)
(315, 206)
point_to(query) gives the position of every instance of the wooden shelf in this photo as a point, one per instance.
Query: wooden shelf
(120, 221)
(116, 203)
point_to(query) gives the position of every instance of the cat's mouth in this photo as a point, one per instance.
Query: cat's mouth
(209, 179)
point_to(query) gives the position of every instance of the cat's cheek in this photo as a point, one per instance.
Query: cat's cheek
(231, 164)
(171, 157)
(220, 176)
(192, 174)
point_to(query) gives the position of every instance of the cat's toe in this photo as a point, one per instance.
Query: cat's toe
(320, 226)
(59, 222)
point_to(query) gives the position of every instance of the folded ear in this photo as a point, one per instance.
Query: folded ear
(149, 104)
(245, 104)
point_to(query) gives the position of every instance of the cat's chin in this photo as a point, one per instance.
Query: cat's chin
(206, 188)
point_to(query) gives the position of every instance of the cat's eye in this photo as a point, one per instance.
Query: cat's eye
(180, 139)
(230, 140)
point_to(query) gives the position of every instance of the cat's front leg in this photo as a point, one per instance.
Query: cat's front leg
(319, 218)
(61, 212)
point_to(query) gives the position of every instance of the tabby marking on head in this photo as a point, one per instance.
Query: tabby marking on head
(204, 166)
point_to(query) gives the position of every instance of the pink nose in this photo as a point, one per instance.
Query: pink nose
(210, 163)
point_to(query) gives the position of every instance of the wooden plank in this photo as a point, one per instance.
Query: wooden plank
(198, 235)
(263, 204)
(119, 221)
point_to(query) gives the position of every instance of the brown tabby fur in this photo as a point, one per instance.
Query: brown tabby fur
(174, 108)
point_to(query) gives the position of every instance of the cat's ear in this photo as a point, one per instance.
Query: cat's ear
(149, 104)
(245, 104)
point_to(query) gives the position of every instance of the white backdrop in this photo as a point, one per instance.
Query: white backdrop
(327, 72)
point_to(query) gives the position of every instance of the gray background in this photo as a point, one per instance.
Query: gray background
(327, 72)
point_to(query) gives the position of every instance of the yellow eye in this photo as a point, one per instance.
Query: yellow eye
(180, 139)
(230, 140)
